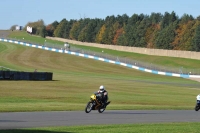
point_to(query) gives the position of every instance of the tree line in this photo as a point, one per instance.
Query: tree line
(160, 31)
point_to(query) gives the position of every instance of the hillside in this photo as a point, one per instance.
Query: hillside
(75, 78)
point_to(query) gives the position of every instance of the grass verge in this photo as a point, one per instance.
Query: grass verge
(126, 128)
(76, 78)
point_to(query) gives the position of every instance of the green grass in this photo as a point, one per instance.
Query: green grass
(156, 60)
(126, 128)
(162, 61)
(76, 78)
(23, 36)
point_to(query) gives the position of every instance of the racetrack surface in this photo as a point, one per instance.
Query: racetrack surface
(18, 120)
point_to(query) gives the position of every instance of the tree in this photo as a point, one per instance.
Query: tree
(99, 24)
(122, 40)
(90, 31)
(155, 31)
(13, 27)
(99, 37)
(140, 32)
(150, 35)
(155, 18)
(117, 31)
(43, 31)
(49, 30)
(59, 31)
(198, 18)
(82, 35)
(165, 37)
(196, 40)
(184, 35)
(168, 19)
(185, 18)
(36, 26)
(133, 19)
(55, 24)
(74, 31)
(122, 20)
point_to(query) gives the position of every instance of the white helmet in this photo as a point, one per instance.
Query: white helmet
(101, 88)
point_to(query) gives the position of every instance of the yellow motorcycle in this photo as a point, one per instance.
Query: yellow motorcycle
(95, 103)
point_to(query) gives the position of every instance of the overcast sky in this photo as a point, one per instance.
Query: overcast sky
(20, 12)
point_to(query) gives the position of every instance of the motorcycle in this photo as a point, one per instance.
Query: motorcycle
(197, 106)
(95, 103)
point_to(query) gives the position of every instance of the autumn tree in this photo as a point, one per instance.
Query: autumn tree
(116, 33)
(82, 35)
(108, 35)
(151, 34)
(99, 36)
(184, 34)
(99, 24)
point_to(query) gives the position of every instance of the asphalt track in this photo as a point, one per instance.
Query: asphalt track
(18, 120)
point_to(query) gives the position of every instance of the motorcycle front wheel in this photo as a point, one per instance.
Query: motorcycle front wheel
(197, 107)
(88, 107)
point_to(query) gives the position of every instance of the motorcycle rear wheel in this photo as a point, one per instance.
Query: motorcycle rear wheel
(88, 107)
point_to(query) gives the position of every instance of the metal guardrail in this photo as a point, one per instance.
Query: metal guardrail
(151, 66)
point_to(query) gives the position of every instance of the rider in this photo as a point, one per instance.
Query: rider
(104, 93)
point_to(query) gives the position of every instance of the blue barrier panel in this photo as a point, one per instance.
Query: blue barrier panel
(106, 60)
(141, 69)
(85, 55)
(117, 62)
(96, 58)
(129, 65)
(184, 75)
(154, 72)
(168, 74)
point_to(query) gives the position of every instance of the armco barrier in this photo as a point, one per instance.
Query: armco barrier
(102, 59)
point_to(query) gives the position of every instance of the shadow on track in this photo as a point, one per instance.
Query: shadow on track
(10, 121)
(134, 113)
(29, 131)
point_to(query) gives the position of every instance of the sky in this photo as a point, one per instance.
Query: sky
(20, 12)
